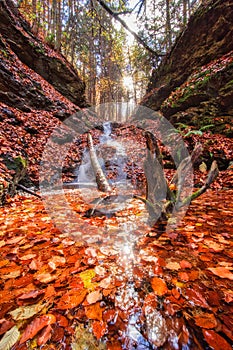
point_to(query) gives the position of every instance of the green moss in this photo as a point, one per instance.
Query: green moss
(17, 164)
(4, 53)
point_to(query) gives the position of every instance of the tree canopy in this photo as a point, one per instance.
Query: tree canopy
(109, 42)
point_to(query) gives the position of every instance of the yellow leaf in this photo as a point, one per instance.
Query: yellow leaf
(86, 276)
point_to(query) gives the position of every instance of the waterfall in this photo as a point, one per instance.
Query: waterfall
(116, 162)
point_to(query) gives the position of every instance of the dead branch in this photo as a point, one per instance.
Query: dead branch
(25, 189)
(137, 37)
(213, 173)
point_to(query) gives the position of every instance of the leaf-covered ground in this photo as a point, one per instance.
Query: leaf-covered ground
(112, 284)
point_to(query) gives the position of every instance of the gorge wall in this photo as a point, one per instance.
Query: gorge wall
(38, 90)
(194, 83)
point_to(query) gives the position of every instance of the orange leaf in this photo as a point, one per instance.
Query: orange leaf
(36, 325)
(222, 272)
(206, 320)
(215, 341)
(175, 293)
(99, 328)
(159, 286)
(183, 276)
(94, 311)
(72, 299)
(184, 264)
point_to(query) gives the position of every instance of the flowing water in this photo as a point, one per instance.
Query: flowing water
(112, 157)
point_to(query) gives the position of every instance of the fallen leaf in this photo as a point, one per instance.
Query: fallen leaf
(2, 243)
(58, 260)
(25, 312)
(214, 246)
(44, 336)
(183, 276)
(86, 277)
(196, 298)
(94, 312)
(36, 325)
(206, 320)
(9, 339)
(159, 286)
(93, 297)
(150, 300)
(4, 262)
(99, 328)
(15, 240)
(228, 296)
(108, 251)
(72, 299)
(27, 257)
(203, 167)
(221, 272)
(106, 283)
(184, 264)
(215, 341)
(12, 274)
(45, 277)
(175, 293)
(31, 296)
(173, 265)
(99, 270)
(5, 325)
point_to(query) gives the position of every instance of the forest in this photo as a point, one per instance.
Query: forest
(116, 174)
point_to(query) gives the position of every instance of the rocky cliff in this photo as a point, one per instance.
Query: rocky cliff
(194, 83)
(38, 89)
(38, 56)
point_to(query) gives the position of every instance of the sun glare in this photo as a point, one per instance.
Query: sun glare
(128, 83)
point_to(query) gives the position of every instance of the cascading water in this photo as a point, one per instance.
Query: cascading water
(112, 158)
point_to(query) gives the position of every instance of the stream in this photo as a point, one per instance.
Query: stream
(109, 283)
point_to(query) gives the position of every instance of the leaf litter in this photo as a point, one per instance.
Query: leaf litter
(125, 292)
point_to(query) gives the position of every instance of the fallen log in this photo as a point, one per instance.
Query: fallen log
(102, 182)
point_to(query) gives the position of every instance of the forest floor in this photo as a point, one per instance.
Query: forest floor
(110, 282)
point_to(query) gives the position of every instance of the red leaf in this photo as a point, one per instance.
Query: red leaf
(215, 341)
(196, 297)
(150, 300)
(30, 297)
(5, 325)
(44, 336)
(36, 325)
